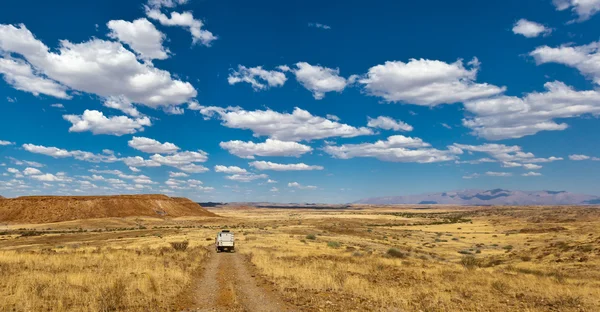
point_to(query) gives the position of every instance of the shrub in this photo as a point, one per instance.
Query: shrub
(525, 258)
(311, 236)
(469, 262)
(508, 247)
(334, 244)
(396, 253)
(464, 252)
(180, 246)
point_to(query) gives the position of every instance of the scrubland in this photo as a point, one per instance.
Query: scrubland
(366, 258)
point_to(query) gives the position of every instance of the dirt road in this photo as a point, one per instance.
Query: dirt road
(227, 284)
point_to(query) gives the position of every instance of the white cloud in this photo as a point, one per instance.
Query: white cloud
(134, 169)
(471, 176)
(186, 20)
(267, 165)
(192, 168)
(270, 147)
(579, 157)
(333, 117)
(97, 123)
(271, 181)
(148, 145)
(426, 82)
(31, 171)
(25, 162)
(531, 174)
(246, 177)
(230, 169)
(4, 143)
(252, 75)
(318, 25)
(123, 104)
(387, 123)
(57, 105)
(97, 66)
(505, 117)
(396, 148)
(300, 125)
(583, 58)
(509, 156)
(180, 158)
(13, 170)
(48, 177)
(498, 174)
(62, 153)
(157, 4)
(302, 187)
(530, 29)
(21, 76)
(319, 80)
(177, 174)
(141, 36)
(274, 189)
(137, 161)
(532, 166)
(583, 8)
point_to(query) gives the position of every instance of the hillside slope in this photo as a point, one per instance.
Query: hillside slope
(489, 197)
(43, 209)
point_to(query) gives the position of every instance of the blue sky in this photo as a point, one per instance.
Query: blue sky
(298, 101)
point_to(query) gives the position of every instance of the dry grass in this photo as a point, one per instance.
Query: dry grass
(137, 274)
(372, 259)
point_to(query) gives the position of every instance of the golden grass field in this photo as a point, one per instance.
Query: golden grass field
(365, 258)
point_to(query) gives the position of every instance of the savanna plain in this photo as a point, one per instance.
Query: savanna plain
(357, 258)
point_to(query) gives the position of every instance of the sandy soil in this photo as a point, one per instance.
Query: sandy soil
(228, 283)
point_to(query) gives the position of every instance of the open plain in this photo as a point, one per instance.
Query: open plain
(361, 258)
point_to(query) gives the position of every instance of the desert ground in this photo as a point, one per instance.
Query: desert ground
(362, 258)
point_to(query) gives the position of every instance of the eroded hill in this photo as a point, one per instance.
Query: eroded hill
(43, 209)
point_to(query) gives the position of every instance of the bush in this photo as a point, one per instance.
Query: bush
(311, 236)
(334, 244)
(508, 247)
(469, 262)
(180, 246)
(395, 253)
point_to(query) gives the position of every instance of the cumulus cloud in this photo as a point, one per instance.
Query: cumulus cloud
(507, 156)
(505, 117)
(230, 169)
(300, 125)
(396, 148)
(583, 8)
(531, 174)
(274, 189)
(579, 157)
(267, 165)
(319, 80)
(25, 162)
(77, 154)
(148, 145)
(270, 147)
(583, 58)
(4, 143)
(185, 20)
(257, 77)
(271, 181)
(302, 187)
(157, 4)
(498, 174)
(100, 67)
(426, 82)
(31, 171)
(530, 29)
(387, 123)
(97, 123)
(177, 174)
(21, 76)
(141, 36)
(123, 104)
(319, 25)
(246, 177)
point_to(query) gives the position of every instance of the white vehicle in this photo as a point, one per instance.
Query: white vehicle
(225, 241)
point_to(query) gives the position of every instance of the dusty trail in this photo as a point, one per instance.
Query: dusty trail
(227, 284)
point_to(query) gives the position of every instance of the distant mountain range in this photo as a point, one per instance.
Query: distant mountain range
(489, 197)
